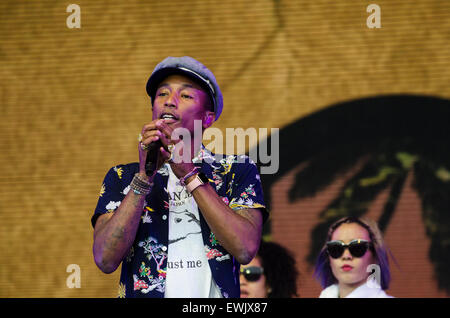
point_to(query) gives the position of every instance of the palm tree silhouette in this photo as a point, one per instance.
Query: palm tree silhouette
(384, 139)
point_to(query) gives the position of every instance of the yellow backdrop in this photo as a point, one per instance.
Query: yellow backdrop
(73, 100)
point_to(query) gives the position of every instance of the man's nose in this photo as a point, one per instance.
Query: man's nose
(171, 101)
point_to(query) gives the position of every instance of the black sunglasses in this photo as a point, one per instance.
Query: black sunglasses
(252, 273)
(356, 247)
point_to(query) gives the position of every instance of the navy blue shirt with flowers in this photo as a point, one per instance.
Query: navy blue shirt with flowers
(235, 179)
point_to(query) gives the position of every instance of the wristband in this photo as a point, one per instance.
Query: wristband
(190, 174)
(199, 180)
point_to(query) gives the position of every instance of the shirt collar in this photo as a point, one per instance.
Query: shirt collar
(202, 154)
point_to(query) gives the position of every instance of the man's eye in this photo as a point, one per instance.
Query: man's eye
(162, 94)
(187, 96)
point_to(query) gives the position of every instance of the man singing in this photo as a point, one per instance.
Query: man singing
(182, 226)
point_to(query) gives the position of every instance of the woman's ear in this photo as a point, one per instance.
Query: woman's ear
(208, 119)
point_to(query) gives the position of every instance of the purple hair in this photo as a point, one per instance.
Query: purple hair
(323, 271)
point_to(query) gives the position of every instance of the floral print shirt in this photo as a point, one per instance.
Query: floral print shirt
(237, 182)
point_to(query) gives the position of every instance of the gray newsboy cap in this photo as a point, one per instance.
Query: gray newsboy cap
(191, 68)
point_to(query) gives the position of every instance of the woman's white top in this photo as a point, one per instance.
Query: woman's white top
(363, 291)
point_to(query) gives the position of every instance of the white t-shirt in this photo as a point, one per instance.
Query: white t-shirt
(188, 271)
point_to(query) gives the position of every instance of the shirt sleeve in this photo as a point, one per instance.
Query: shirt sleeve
(111, 193)
(244, 189)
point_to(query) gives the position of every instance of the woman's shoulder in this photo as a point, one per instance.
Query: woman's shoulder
(331, 291)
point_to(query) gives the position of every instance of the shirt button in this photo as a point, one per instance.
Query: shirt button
(164, 248)
(164, 217)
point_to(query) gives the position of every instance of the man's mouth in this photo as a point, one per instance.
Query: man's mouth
(168, 118)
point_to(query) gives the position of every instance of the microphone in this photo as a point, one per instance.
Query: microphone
(152, 157)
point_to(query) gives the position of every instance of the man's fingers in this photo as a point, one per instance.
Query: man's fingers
(164, 128)
(149, 140)
(165, 154)
(152, 134)
(158, 130)
(148, 127)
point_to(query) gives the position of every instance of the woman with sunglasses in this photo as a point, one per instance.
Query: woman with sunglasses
(271, 274)
(354, 250)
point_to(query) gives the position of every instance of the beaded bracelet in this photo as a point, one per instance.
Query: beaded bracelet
(140, 186)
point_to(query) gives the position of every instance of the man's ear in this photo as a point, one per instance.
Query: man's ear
(208, 119)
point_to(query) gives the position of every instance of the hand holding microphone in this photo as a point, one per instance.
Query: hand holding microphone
(154, 138)
(156, 146)
(151, 162)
